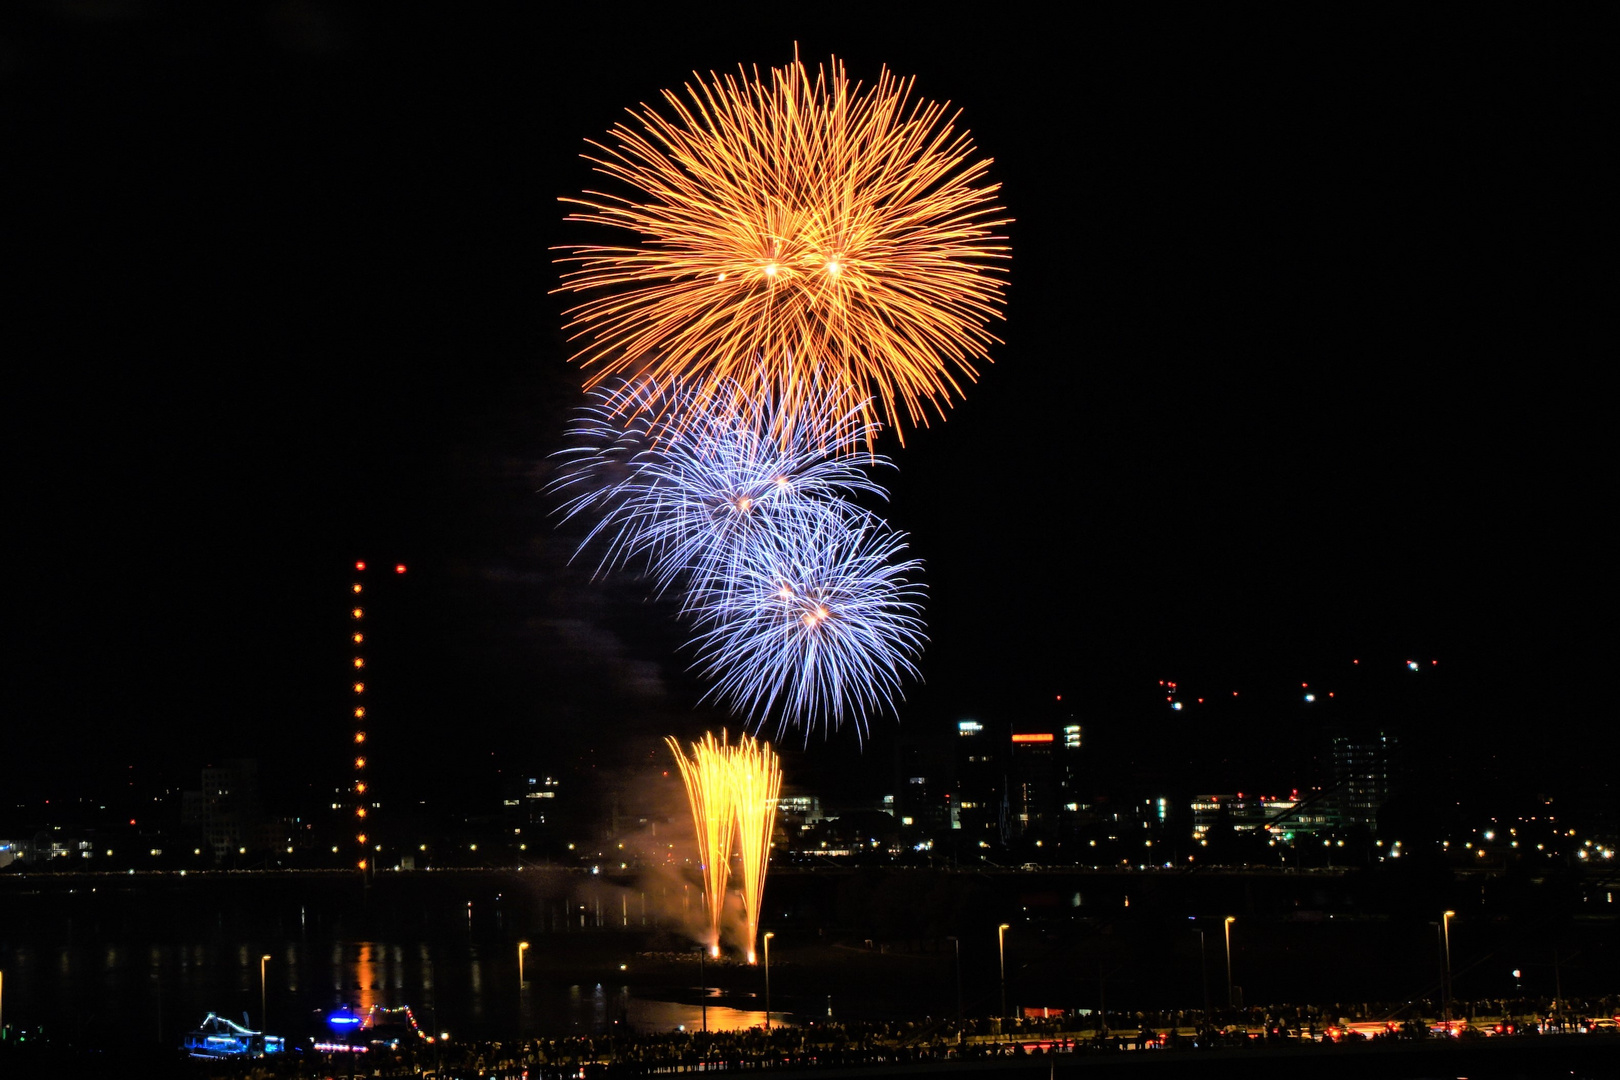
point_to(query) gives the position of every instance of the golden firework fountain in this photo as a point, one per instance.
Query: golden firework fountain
(756, 779)
(732, 791)
(707, 775)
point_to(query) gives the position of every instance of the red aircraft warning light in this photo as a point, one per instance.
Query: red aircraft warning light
(399, 568)
(359, 566)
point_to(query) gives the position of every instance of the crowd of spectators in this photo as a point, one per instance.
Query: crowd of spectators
(624, 1053)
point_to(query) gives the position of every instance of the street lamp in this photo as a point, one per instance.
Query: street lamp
(1203, 972)
(264, 1014)
(1445, 937)
(1230, 919)
(768, 935)
(703, 991)
(954, 940)
(1001, 943)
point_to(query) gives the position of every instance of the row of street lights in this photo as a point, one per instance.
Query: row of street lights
(1001, 949)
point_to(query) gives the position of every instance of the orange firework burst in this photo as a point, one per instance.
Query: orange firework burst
(796, 238)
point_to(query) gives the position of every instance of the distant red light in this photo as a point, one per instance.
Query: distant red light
(132, 821)
(1060, 697)
(399, 568)
(359, 566)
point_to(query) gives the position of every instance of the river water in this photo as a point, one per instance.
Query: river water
(149, 962)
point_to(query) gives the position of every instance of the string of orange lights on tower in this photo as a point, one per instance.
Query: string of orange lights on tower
(360, 785)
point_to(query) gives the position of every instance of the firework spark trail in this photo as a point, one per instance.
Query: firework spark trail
(814, 625)
(756, 778)
(800, 238)
(709, 790)
(682, 496)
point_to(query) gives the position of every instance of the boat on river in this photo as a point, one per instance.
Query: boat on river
(217, 1037)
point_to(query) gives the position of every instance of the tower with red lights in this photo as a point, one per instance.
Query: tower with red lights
(362, 803)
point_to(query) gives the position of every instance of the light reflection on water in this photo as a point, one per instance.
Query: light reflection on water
(588, 1008)
(158, 992)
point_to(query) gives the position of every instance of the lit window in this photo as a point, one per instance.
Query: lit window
(359, 687)
(357, 613)
(355, 586)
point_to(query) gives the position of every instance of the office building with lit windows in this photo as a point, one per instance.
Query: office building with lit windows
(980, 806)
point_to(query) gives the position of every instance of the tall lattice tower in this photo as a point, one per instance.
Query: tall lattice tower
(362, 803)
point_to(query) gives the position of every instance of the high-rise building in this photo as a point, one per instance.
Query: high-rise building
(1363, 774)
(981, 783)
(1074, 802)
(227, 810)
(1033, 784)
(924, 788)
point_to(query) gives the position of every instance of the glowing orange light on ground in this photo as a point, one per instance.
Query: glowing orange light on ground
(793, 237)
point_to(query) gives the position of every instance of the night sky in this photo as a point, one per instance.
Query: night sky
(1297, 368)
